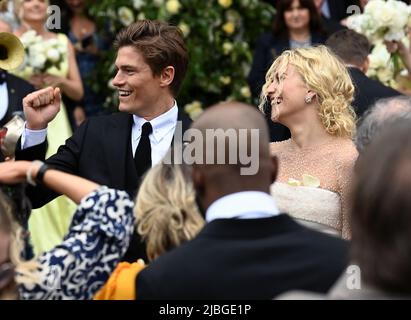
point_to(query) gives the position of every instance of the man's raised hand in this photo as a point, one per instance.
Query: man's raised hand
(41, 107)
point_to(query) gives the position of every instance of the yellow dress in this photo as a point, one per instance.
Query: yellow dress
(49, 224)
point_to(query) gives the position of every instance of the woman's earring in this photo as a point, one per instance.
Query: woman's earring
(308, 99)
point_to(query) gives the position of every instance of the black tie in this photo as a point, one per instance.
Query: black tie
(142, 157)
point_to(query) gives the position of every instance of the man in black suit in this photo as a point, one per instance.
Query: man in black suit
(247, 249)
(353, 48)
(116, 150)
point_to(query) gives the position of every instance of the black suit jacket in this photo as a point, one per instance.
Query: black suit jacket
(99, 150)
(246, 259)
(17, 89)
(368, 91)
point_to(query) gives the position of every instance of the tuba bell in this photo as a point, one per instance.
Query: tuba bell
(11, 51)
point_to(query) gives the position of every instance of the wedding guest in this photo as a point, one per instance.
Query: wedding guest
(382, 114)
(76, 268)
(380, 220)
(47, 229)
(297, 24)
(316, 107)
(116, 150)
(166, 216)
(353, 48)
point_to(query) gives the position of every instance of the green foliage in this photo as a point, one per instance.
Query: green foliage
(220, 35)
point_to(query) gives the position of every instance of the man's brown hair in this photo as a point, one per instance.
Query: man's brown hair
(350, 46)
(161, 45)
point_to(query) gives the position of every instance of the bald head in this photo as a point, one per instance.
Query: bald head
(235, 147)
(233, 115)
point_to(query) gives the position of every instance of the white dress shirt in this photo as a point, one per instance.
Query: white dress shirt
(243, 205)
(160, 139)
(162, 135)
(4, 100)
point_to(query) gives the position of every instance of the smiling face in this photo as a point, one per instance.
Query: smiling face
(296, 17)
(34, 10)
(287, 93)
(139, 89)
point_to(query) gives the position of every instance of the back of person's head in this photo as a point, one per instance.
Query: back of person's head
(327, 77)
(353, 48)
(280, 28)
(381, 211)
(166, 210)
(160, 44)
(234, 152)
(382, 114)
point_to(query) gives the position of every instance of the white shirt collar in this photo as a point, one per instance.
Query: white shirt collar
(243, 205)
(162, 125)
(4, 100)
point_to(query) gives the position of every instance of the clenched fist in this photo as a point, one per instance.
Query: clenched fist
(41, 107)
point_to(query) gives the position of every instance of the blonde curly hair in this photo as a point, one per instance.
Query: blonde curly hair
(166, 211)
(325, 74)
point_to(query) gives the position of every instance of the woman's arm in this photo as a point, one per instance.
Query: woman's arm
(74, 187)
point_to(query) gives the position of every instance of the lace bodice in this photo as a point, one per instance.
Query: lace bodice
(332, 163)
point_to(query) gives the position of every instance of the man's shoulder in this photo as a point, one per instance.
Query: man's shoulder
(117, 118)
(19, 82)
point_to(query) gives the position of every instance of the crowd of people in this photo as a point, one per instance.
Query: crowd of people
(149, 224)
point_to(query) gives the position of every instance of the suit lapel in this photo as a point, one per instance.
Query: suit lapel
(12, 93)
(117, 150)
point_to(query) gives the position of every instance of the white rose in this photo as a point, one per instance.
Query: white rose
(38, 61)
(137, 4)
(227, 47)
(379, 56)
(126, 16)
(53, 55)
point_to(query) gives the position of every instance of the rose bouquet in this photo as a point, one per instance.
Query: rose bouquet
(41, 56)
(383, 21)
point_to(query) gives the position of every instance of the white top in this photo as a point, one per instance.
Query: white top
(4, 100)
(160, 139)
(243, 205)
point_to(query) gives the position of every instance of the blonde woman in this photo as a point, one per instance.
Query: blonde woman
(167, 216)
(48, 228)
(310, 92)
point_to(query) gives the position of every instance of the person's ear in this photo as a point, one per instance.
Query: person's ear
(310, 96)
(274, 168)
(365, 66)
(167, 76)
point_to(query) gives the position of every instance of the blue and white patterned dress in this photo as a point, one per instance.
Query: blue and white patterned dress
(98, 237)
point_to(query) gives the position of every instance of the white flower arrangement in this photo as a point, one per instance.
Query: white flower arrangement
(41, 56)
(382, 20)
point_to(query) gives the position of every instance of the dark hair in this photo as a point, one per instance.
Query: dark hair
(160, 44)
(381, 211)
(350, 46)
(280, 29)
